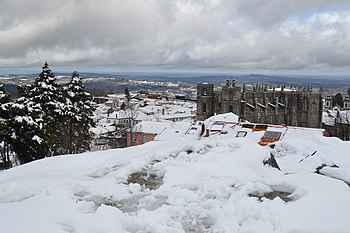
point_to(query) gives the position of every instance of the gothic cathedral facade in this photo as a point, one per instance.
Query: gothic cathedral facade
(279, 106)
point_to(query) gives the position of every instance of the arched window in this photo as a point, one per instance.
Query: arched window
(230, 95)
(346, 105)
(205, 91)
(204, 107)
(230, 108)
(328, 103)
(313, 107)
(305, 104)
(218, 107)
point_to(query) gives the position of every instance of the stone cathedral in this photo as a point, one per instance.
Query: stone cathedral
(281, 106)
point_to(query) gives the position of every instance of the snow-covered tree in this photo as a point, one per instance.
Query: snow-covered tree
(4, 116)
(4, 100)
(46, 94)
(25, 134)
(78, 119)
(20, 127)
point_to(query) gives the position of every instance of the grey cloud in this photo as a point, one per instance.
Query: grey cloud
(223, 34)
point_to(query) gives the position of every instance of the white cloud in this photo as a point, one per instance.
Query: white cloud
(223, 34)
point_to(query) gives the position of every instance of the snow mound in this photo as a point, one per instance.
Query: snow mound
(217, 184)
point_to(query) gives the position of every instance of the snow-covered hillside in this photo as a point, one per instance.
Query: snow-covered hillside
(217, 184)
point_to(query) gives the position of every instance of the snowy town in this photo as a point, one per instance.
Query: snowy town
(179, 116)
(151, 116)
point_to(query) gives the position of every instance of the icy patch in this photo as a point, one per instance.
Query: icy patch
(284, 196)
(146, 179)
(94, 202)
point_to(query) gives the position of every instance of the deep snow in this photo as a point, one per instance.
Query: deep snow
(216, 184)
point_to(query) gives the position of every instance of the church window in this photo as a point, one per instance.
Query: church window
(204, 107)
(313, 108)
(230, 95)
(205, 91)
(219, 107)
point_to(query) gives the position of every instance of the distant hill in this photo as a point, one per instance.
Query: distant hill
(315, 81)
(11, 89)
(100, 83)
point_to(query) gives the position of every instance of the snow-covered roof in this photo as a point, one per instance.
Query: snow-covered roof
(331, 116)
(151, 127)
(178, 115)
(102, 128)
(150, 109)
(226, 117)
(123, 114)
(173, 131)
(328, 119)
(176, 109)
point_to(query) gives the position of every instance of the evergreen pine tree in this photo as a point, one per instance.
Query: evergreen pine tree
(25, 134)
(78, 116)
(21, 129)
(4, 100)
(46, 94)
(4, 128)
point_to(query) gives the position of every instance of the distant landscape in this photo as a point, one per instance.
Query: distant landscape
(101, 84)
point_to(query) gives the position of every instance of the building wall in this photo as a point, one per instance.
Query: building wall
(205, 95)
(139, 138)
(341, 131)
(296, 108)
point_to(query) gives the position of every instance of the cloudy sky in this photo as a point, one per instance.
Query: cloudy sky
(189, 35)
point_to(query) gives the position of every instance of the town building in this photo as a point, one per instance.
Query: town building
(336, 115)
(147, 131)
(337, 123)
(285, 106)
(114, 121)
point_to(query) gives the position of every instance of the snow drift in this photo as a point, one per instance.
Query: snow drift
(217, 184)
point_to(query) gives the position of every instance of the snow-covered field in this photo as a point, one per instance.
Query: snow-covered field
(217, 184)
